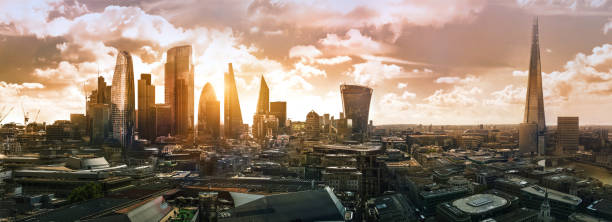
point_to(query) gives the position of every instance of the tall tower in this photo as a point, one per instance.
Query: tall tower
(179, 86)
(263, 104)
(208, 113)
(122, 100)
(232, 121)
(356, 105)
(533, 128)
(146, 101)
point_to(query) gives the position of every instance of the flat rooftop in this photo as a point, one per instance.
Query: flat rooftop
(553, 195)
(480, 203)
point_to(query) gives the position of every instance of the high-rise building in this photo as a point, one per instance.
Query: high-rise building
(263, 108)
(263, 103)
(99, 123)
(533, 128)
(279, 109)
(161, 118)
(146, 101)
(122, 100)
(568, 134)
(179, 86)
(356, 105)
(232, 121)
(208, 114)
(313, 127)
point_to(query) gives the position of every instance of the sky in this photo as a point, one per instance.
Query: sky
(429, 62)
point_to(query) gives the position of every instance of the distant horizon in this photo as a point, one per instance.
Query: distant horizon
(448, 63)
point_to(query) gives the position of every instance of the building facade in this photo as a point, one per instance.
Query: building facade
(179, 86)
(356, 105)
(568, 133)
(208, 114)
(146, 101)
(232, 115)
(122, 100)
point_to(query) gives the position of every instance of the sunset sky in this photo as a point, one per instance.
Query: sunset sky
(429, 62)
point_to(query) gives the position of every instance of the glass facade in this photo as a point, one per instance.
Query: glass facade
(122, 100)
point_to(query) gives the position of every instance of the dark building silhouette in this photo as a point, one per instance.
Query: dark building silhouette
(162, 119)
(279, 109)
(232, 121)
(179, 86)
(533, 128)
(208, 114)
(568, 133)
(146, 102)
(356, 105)
(122, 100)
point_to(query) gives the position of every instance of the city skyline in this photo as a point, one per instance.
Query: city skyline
(414, 69)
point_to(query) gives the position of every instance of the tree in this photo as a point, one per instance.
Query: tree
(86, 192)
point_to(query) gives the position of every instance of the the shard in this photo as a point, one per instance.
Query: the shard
(232, 121)
(122, 100)
(533, 128)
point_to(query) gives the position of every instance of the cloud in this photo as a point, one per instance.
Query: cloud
(353, 43)
(608, 26)
(509, 95)
(373, 72)
(402, 85)
(520, 73)
(333, 60)
(304, 51)
(455, 79)
(386, 15)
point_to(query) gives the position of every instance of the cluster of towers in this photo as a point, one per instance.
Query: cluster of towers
(112, 113)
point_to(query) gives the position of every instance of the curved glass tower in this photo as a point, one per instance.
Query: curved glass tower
(356, 104)
(208, 113)
(122, 100)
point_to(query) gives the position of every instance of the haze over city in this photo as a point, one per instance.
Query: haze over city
(429, 62)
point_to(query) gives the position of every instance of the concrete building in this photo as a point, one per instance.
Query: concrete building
(473, 208)
(313, 128)
(562, 204)
(342, 178)
(146, 102)
(568, 134)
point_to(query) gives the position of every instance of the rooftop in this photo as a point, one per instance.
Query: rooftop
(480, 203)
(553, 195)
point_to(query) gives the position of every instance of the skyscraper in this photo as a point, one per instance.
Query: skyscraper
(263, 108)
(279, 109)
(313, 126)
(533, 128)
(568, 133)
(122, 100)
(146, 101)
(356, 105)
(232, 121)
(179, 86)
(208, 114)
(263, 103)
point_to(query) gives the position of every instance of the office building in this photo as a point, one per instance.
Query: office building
(122, 100)
(263, 103)
(474, 208)
(313, 128)
(162, 120)
(279, 109)
(146, 101)
(99, 123)
(561, 204)
(568, 134)
(533, 128)
(232, 120)
(208, 114)
(179, 86)
(356, 106)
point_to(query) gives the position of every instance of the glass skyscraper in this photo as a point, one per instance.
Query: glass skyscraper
(122, 100)
(356, 105)
(179, 89)
(232, 120)
(208, 113)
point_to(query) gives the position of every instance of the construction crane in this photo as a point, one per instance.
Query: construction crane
(36, 117)
(3, 114)
(25, 116)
